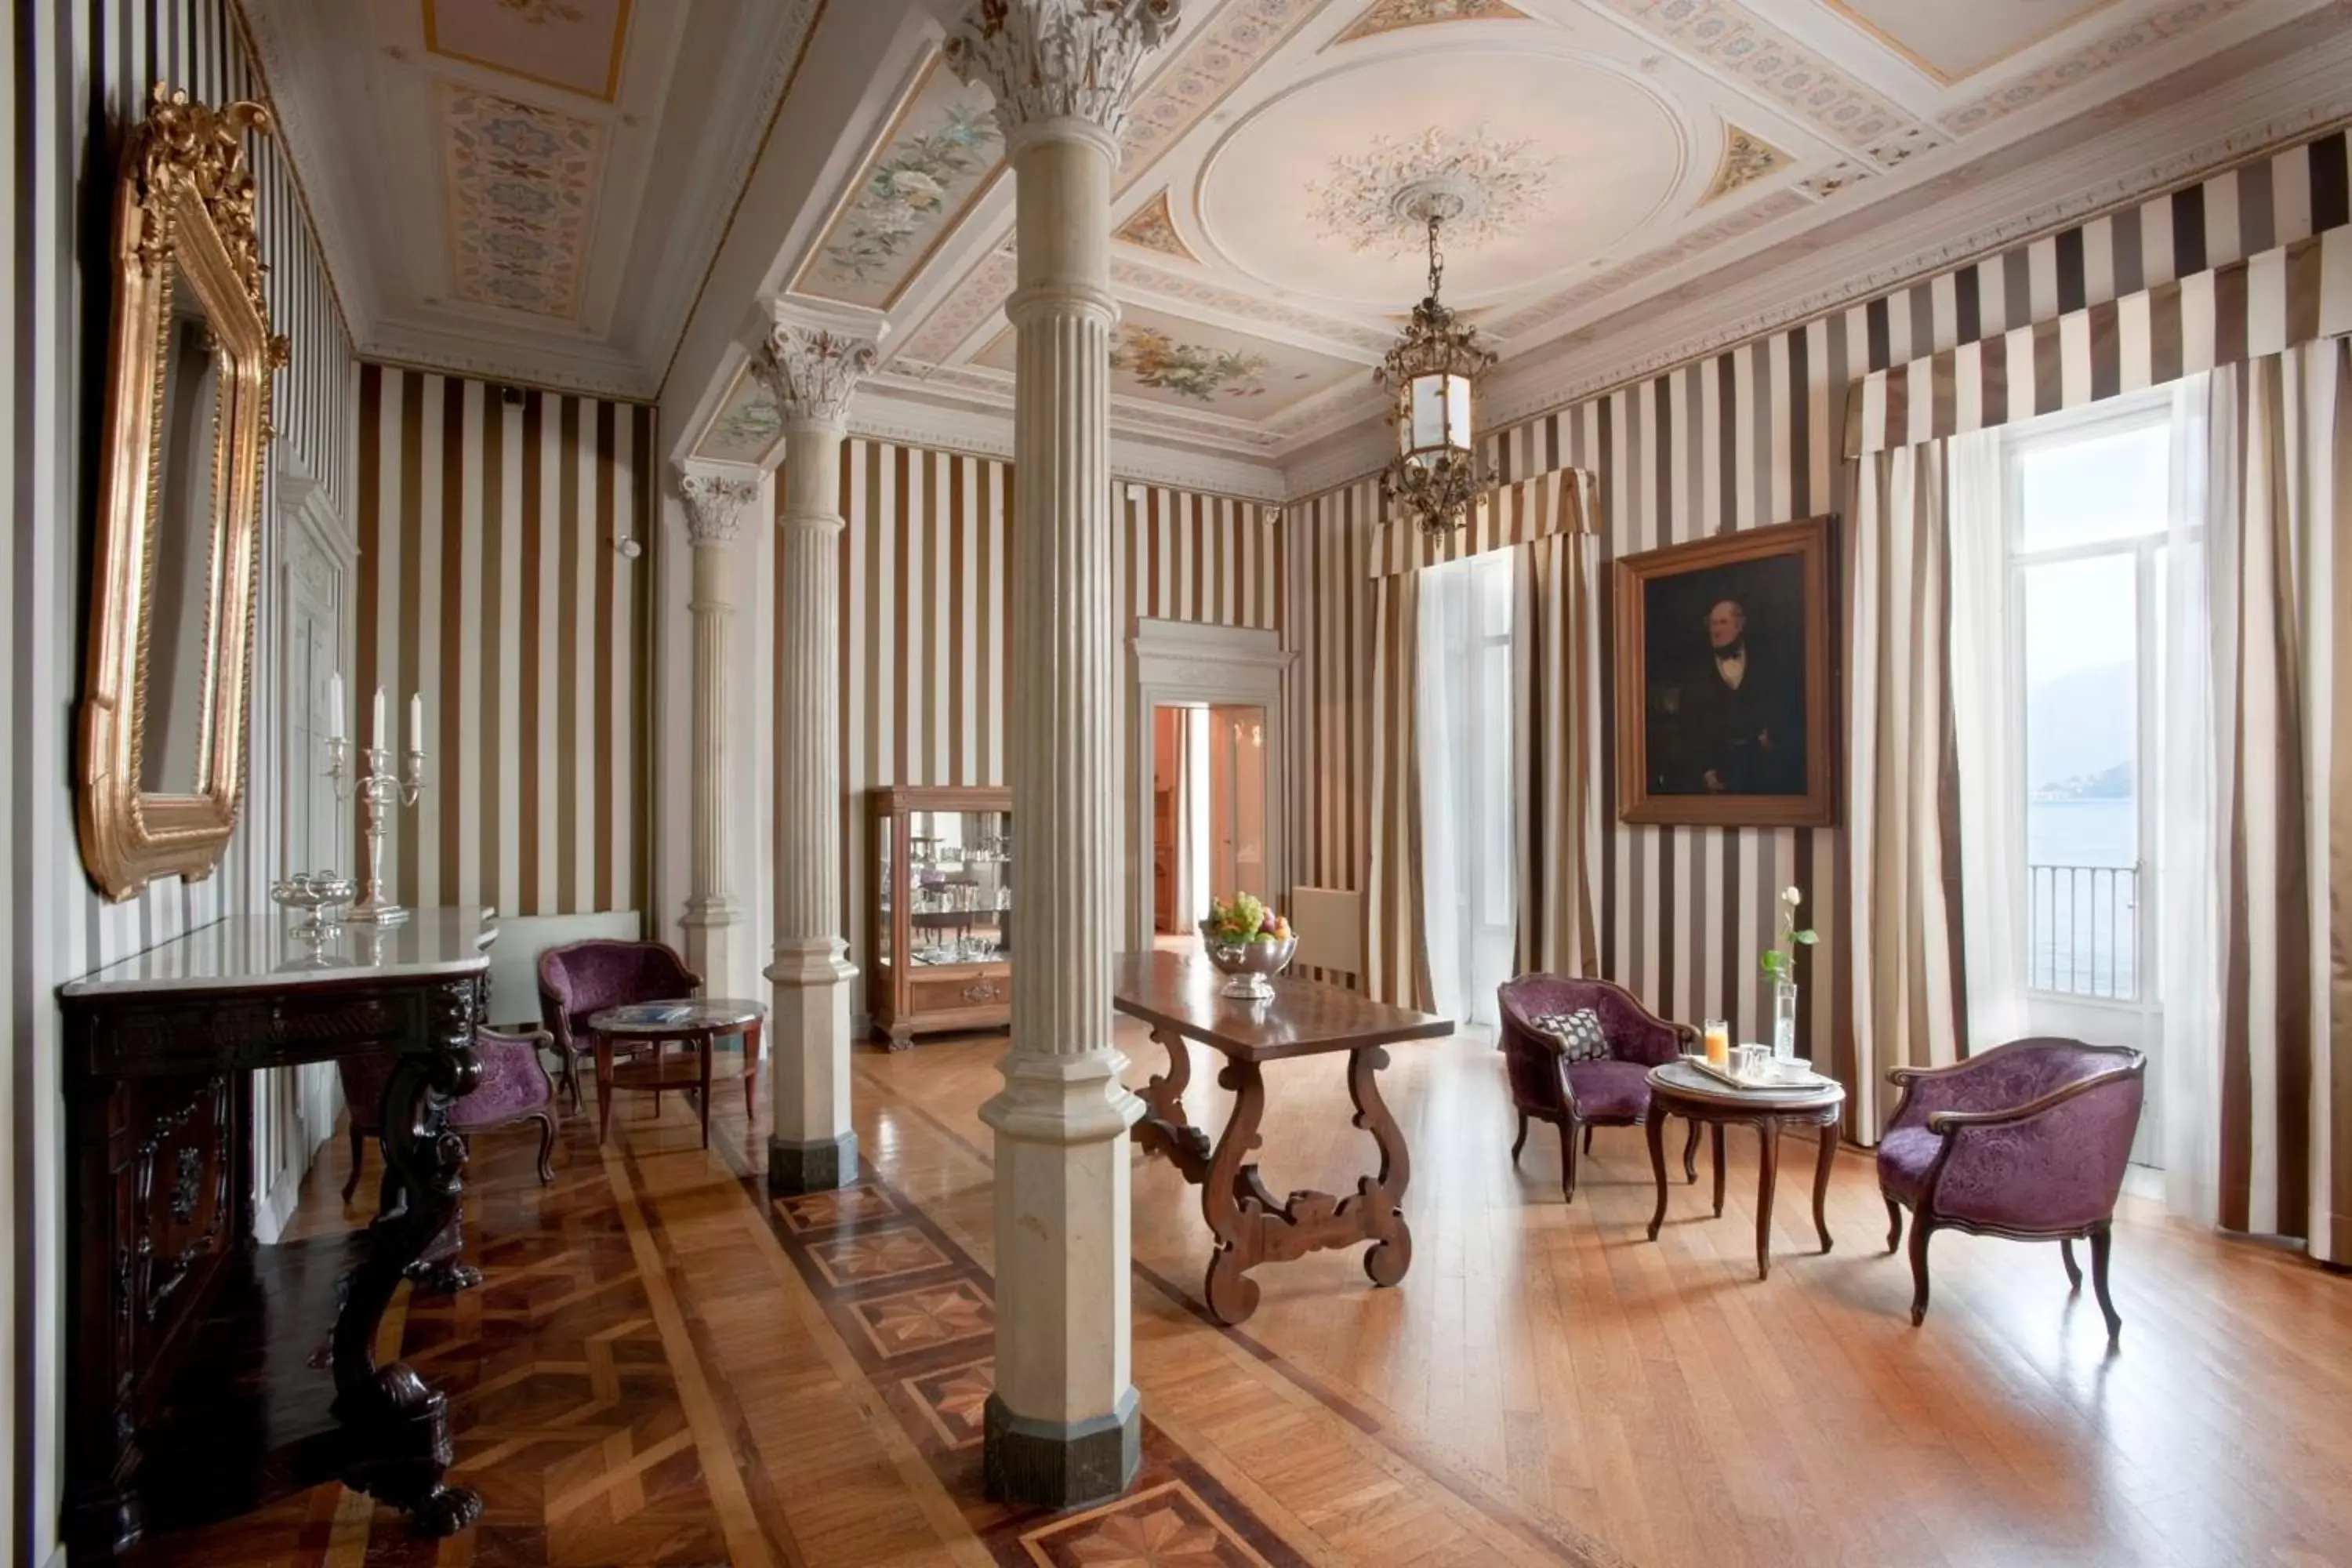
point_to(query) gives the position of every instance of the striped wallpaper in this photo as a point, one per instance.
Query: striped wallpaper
(924, 568)
(490, 582)
(77, 74)
(1746, 437)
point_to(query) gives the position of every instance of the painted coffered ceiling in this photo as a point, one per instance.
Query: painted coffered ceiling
(1611, 149)
(537, 189)
(529, 190)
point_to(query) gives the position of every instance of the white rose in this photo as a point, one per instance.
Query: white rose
(1792, 895)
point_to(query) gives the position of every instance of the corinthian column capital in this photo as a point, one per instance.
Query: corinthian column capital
(1058, 59)
(813, 363)
(715, 500)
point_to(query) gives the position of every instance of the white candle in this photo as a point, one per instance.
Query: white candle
(375, 731)
(416, 721)
(335, 705)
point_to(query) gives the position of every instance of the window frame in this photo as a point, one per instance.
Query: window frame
(2114, 417)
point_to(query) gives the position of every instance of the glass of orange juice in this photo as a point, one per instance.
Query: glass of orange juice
(1717, 1035)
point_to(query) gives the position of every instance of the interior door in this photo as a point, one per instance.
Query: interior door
(1240, 735)
(294, 1109)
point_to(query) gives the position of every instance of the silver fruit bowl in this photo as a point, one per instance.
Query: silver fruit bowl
(1250, 966)
(318, 894)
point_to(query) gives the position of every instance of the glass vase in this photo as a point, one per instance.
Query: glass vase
(1784, 1019)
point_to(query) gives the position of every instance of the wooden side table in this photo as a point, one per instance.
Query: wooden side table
(1677, 1089)
(700, 1020)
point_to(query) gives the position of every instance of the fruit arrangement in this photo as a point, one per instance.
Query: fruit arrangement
(1245, 918)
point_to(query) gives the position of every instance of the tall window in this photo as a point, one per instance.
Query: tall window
(1469, 900)
(2089, 507)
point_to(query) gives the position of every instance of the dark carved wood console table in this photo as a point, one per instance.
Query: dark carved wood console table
(159, 1052)
(1178, 997)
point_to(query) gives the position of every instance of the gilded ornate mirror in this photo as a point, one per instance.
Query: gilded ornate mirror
(169, 675)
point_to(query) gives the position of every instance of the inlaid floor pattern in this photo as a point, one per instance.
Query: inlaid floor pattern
(664, 1365)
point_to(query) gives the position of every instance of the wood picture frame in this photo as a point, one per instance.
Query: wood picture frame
(1725, 684)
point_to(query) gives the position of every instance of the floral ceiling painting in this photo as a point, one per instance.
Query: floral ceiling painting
(576, 44)
(1166, 359)
(747, 426)
(942, 154)
(1388, 16)
(1154, 228)
(522, 184)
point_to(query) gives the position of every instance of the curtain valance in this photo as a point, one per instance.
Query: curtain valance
(1561, 501)
(2293, 294)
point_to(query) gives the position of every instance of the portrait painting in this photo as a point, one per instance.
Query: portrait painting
(1725, 689)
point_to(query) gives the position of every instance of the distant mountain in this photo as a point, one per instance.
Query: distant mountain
(2114, 784)
(2080, 727)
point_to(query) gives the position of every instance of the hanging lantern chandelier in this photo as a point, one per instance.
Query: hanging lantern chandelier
(1436, 476)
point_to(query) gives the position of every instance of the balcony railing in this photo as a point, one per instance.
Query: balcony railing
(2083, 931)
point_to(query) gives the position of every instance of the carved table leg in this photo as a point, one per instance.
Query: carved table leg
(1232, 1213)
(1656, 1128)
(1392, 1252)
(395, 1424)
(1165, 1128)
(1768, 1133)
(1822, 1182)
(1714, 1150)
(1690, 1155)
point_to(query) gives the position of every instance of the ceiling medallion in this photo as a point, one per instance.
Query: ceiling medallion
(1437, 476)
(1372, 199)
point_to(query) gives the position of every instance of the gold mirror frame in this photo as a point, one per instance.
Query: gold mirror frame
(183, 207)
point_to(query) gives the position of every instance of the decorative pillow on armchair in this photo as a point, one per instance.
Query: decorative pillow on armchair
(1579, 1033)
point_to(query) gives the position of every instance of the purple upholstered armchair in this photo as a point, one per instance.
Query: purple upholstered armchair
(1607, 1088)
(583, 978)
(515, 1089)
(2027, 1141)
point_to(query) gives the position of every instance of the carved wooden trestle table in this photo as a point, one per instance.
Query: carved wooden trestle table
(1178, 997)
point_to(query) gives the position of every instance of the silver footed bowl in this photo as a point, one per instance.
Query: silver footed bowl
(318, 894)
(1250, 966)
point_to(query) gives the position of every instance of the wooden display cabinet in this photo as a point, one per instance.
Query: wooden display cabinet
(939, 949)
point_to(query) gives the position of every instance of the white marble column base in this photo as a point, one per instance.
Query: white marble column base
(710, 944)
(1062, 1423)
(811, 1146)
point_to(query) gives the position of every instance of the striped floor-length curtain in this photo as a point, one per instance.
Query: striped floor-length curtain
(1557, 667)
(2281, 592)
(1396, 951)
(1905, 973)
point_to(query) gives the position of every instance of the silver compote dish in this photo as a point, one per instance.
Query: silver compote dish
(317, 894)
(1250, 964)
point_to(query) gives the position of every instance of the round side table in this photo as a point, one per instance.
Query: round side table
(1678, 1089)
(701, 1020)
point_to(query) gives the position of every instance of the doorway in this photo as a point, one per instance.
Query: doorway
(1209, 811)
(1206, 804)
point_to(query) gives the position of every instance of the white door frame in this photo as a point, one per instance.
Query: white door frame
(1190, 662)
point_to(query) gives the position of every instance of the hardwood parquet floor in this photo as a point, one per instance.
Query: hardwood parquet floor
(663, 1366)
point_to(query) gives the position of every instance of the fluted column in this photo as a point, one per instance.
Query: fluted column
(812, 365)
(1063, 1427)
(715, 503)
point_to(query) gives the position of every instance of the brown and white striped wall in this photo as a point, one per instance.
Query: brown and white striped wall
(1743, 438)
(925, 564)
(78, 75)
(490, 582)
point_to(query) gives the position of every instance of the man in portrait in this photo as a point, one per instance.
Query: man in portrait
(1737, 713)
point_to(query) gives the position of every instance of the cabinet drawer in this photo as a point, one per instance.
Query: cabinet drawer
(959, 993)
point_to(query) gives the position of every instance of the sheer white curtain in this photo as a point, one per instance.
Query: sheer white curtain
(1985, 735)
(1469, 902)
(2187, 867)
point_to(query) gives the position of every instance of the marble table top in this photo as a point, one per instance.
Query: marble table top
(245, 952)
(685, 1016)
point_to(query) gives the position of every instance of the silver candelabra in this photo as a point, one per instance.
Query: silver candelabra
(379, 789)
